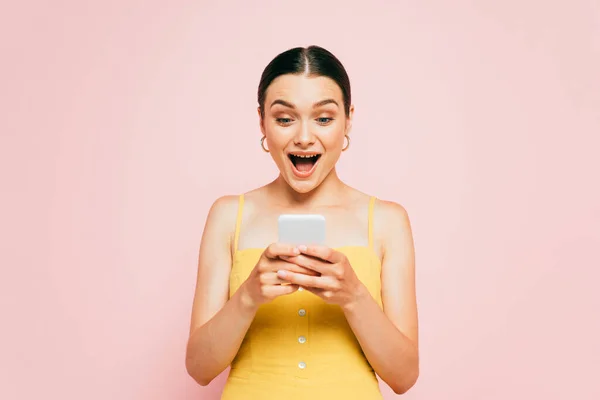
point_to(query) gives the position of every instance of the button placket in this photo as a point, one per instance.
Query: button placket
(302, 345)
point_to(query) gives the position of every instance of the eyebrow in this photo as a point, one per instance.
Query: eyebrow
(316, 105)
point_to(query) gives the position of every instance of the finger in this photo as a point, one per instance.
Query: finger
(306, 281)
(279, 290)
(271, 278)
(280, 249)
(276, 265)
(311, 263)
(322, 252)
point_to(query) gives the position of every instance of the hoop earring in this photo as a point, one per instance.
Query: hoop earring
(347, 145)
(262, 144)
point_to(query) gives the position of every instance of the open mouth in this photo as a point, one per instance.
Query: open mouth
(304, 164)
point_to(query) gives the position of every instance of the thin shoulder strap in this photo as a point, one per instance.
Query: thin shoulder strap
(371, 207)
(238, 222)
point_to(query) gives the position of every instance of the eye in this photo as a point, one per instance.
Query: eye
(283, 121)
(324, 120)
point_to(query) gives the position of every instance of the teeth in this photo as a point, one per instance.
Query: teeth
(304, 156)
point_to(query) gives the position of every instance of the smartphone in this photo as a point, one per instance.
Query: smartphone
(302, 229)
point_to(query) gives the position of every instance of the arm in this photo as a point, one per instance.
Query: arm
(389, 338)
(218, 325)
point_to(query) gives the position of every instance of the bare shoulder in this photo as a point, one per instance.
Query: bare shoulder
(384, 210)
(223, 206)
(222, 216)
(392, 213)
(392, 224)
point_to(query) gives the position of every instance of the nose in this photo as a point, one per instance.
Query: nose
(304, 137)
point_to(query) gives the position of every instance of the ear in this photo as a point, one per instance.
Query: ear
(261, 122)
(349, 119)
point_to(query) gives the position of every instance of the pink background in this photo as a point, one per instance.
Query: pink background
(121, 122)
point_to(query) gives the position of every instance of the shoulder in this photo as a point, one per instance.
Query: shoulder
(384, 211)
(221, 221)
(226, 207)
(223, 206)
(390, 211)
(392, 222)
(223, 212)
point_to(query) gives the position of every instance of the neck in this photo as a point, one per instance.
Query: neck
(330, 190)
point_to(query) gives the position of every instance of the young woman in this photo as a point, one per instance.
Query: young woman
(316, 322)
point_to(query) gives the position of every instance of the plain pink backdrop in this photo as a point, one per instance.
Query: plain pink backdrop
(122, 121)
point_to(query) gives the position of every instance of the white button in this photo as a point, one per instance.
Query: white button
(302, 312)
(302, 339)
(302, 365)
(300, 289)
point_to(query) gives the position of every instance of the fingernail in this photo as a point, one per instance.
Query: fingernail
(302, 248)
(296, 250)
(281, 273)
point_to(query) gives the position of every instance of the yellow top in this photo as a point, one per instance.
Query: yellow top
(298, 346)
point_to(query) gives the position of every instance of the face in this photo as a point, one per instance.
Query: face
(305, 124)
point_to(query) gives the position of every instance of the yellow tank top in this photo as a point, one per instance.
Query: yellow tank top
(298, 346)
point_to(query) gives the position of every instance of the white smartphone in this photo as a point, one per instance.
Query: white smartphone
(302, 229)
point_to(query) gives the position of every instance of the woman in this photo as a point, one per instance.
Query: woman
(303, 322)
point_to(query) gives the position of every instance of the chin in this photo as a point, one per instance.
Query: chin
(302, 187)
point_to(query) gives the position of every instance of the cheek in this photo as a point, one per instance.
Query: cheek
(280, 135)
(277, 139)
(333, 139)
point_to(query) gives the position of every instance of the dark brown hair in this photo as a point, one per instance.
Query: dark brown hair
(313, 60)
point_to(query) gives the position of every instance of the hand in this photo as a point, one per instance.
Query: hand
(336, 282)
(263, 284)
